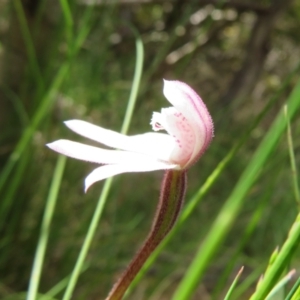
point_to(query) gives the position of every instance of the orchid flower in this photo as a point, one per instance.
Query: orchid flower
(189, 130)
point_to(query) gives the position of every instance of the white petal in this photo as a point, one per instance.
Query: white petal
(158, 145)
(96, 133)
(111, 170)
(96, 155)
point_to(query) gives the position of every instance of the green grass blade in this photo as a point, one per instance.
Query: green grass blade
(106, 188)
(88, 240)
(296, 295)
(6, 201)
(67, 14)
(22, 145)
(45, 228)
(44, 106)
(293, 290)
(233, 285)
(292, 159)
(275, 270)
(14, 215)
(247, 283)
(18, 106)
(136, 82)
(232, 206)
(29, 45)
(29, 131)
(251, 226)
(280, 285)
(283, 255)
(60, 286)
(68, 24)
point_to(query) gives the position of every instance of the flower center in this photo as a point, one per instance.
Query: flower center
(176, 124)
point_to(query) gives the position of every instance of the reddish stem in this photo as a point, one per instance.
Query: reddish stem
(171, 200)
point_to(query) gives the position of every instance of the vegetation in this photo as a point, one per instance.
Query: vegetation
(103, 62)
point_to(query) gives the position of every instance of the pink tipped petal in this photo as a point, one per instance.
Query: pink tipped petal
(94, 154)
(157, 145)
(188, 102)
(112, 170)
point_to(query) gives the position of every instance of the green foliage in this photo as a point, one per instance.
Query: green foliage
(80, 61)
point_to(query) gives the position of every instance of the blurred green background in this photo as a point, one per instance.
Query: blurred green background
(59, 63)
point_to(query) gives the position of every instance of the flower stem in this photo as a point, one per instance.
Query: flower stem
(171, 200)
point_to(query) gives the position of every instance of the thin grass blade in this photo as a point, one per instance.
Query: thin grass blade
(45, 228)
(107, 185)
(294, 290)
(233, 285)
(280, 285)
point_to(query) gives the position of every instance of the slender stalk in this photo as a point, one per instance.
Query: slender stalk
(106, 188)
(233, 285)
(68, 24)
(294, 290)
(88, 240)
(44, 234)
(292, 157)
(29, 45)
(171, 200)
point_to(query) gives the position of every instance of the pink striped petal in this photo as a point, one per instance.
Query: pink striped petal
(180, 129)
(187, 102)
(112, 170)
